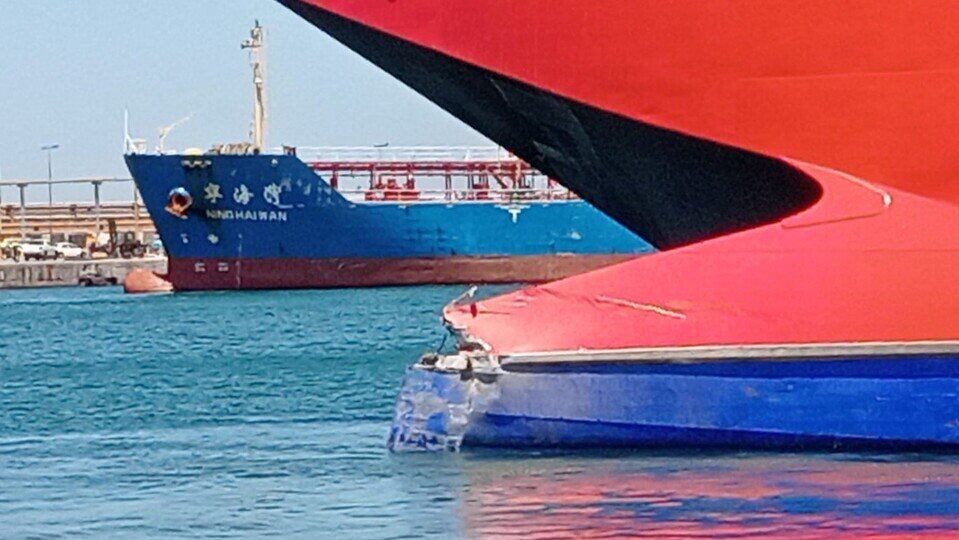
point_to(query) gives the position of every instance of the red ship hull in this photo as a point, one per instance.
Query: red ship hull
(688, 121)
(863, 86)
(865, 265)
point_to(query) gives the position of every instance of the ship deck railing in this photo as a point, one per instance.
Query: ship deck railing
(417, 154)
(430, 174)
(496, 196)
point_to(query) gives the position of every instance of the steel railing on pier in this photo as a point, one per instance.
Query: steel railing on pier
(21, 218)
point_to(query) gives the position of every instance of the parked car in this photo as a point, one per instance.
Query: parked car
(35, 249)
(69, 250)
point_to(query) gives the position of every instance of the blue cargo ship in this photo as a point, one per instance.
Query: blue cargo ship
(369, 217)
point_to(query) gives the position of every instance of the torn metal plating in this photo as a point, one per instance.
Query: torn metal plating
(439, 398)
(472, 353)
(472, 356)
(443, 392)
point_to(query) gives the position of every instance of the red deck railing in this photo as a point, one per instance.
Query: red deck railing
(430, 174)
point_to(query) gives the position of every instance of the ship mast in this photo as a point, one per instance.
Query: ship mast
(255, 46)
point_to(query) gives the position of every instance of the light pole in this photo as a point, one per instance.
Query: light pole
(49, 148)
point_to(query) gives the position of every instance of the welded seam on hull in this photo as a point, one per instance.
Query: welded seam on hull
(714, 353)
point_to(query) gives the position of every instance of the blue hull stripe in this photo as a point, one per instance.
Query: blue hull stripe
(512, 431)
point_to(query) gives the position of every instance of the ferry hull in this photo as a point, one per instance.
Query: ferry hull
(303, 273)
(893, 402)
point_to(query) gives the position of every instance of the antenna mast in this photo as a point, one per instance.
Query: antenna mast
(127, 141)
(255, 46)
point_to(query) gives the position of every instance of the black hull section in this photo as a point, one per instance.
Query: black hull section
(672, 189)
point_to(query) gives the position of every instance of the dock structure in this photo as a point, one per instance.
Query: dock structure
(17, 275)
(19, 218)
(85, 223)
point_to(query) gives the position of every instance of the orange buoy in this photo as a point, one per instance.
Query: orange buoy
(141, 280)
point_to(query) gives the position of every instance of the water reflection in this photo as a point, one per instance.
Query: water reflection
(741, 496)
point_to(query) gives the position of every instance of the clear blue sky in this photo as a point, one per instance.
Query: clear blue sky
(69, 67)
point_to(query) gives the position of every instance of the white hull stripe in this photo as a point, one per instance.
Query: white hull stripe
(715, 353)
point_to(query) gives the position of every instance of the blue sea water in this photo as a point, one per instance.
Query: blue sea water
(261, 414)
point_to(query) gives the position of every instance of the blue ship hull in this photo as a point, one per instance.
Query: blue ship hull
(888, 402)
(271, 222)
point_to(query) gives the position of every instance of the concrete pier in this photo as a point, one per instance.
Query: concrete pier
(69, 273)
